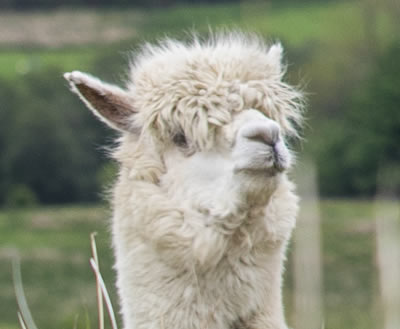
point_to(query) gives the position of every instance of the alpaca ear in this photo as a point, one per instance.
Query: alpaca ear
(275, 54)
(109, 103)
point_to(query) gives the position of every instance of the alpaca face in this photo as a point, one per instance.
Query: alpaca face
(251, 146)
(250, 143)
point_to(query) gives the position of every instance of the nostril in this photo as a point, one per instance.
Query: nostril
(264, 134)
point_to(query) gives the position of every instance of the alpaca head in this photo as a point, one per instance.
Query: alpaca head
(191, 113)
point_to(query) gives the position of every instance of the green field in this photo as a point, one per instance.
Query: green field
(54, 247)
(53, 243)
(15, 63)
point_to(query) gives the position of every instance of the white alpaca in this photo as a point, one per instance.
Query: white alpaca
(203, 208)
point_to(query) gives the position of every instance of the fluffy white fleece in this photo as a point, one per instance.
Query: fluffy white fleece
(203, 208)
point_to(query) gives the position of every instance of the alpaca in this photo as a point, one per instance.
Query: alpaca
(203, 207)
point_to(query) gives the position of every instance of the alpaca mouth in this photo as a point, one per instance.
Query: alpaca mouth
(279, 162)
(279, 167)
(275, 161)
(271, 167)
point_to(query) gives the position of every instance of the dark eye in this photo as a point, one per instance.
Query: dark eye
(179, 139)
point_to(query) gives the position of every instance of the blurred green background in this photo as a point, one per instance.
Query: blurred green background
(53, 163)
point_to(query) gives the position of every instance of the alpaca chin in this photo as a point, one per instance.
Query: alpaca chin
(259, 187)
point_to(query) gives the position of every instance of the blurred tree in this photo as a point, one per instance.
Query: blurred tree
(20, 196)
(375, 122)
(48, 142)
(368, 136)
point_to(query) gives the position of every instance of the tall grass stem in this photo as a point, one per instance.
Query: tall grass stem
(24, 314)
(100, 308)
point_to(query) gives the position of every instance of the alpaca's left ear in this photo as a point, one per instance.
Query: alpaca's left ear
(109, 103)
(275, 54)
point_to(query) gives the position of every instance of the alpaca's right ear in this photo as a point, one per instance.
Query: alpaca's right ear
(108, 102)
(275, 54)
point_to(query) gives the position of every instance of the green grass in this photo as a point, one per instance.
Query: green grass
(55, 248)
(307, 24)
(180, 20)
(331, 24)
(350, 275)
(15, 63)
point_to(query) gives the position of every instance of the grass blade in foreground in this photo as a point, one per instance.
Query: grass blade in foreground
(24, 315)
(21, 321)
(102, 286)
(100, 308)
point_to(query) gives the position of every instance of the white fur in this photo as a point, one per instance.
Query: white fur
(200, 231)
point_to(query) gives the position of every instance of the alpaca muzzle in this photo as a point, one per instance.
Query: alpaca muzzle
(260, 146)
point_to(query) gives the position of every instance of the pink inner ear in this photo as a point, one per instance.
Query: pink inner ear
(110, 107)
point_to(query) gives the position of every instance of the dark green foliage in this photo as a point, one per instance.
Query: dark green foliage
(49, 141)
(375, 122)
(366, 139)
(20, 196)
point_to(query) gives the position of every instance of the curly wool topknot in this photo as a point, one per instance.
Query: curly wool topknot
(195, 86)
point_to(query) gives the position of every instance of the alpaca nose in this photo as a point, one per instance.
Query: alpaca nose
(266, 133)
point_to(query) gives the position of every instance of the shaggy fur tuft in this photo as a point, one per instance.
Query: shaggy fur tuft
(199, 84)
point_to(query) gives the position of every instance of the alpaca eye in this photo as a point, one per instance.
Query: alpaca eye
(179, 139)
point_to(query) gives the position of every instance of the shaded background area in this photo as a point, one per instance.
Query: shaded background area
(53, 163)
